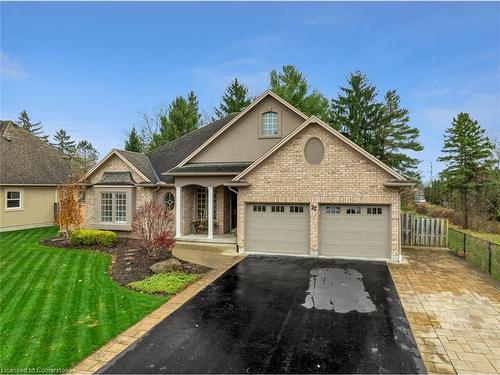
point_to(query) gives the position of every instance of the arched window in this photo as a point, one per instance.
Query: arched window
(270, 123)
(169, 201)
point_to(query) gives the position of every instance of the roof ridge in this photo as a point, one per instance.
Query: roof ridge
(190, 133)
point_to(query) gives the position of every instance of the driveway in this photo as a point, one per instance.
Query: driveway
(271, 314)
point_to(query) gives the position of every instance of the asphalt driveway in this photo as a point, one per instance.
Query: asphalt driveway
(271, 314)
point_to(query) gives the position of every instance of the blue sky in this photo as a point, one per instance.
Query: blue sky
(89, 67)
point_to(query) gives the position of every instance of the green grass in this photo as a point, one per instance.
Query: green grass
(169, 283)
(492, 237)
(59, 305)
(477, 251)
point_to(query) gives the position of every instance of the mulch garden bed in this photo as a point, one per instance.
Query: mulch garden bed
(130, 262)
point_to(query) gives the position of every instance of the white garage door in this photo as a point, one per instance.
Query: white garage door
(354, 231)
(277, 228)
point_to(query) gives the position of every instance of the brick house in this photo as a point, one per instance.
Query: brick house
(287, 183)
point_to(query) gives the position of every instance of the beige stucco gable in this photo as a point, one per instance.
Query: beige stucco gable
(242, 141)
(112, 164)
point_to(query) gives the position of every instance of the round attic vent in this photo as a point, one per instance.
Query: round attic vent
(314, 151)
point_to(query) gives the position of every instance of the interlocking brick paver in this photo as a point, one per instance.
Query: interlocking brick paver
(454, 311)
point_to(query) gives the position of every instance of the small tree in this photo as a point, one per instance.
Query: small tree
(68, 213)
(235, 99)
(134, 142)
(153, 226)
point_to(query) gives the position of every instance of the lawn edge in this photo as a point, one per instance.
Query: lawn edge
(115, 346)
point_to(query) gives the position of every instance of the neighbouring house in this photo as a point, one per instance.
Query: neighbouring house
(30, 170)
(287, 182)
(419, 195)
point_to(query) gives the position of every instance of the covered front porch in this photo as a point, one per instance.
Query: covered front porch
(206, 210)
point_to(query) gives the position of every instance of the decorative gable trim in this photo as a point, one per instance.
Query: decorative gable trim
(114, 152)
(239, 116)
(315, 120)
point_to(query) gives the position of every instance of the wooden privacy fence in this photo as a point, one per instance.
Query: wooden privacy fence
(423, 231)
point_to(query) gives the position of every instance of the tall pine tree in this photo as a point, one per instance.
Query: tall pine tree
(134, 142)
(394, 136)
(292, 86)
(356, 112)
(235, 99)
(380, 127)
(183, 117)
(64, 144)
(36, 129)
(468, 155)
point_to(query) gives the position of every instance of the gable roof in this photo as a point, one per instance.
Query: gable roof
(152, 164)
(28, 160)
(168, 156)
(317, 121)
(141, 162)
(267, 93)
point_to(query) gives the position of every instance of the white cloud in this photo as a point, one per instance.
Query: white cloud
(10, 68)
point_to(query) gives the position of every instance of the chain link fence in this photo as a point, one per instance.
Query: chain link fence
(483, 254)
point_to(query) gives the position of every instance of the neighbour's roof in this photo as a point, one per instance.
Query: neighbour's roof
(166, 157)
(210, 168)
(141, 162)
(116, 178)
(27, 160)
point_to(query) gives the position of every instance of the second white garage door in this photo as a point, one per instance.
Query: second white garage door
(277, 228)
(354, 231)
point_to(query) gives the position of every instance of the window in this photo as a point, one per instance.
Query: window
(201, 203)
(13, 199)
(114, 207)
(107, 207)
(120, 208)
(374, 210)
(277, 208)
(270, 123)
(332, 210)
(169, 201)
(259, 208)
(296, 209)
(353, 211)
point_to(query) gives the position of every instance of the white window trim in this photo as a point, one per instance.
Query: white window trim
(261, 124)
(21, 200)
(113, 208)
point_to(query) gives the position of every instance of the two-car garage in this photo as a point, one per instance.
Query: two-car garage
(357, 231)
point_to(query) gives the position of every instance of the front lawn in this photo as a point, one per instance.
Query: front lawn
(59, 305)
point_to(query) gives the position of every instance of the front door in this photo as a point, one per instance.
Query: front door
(234, 209)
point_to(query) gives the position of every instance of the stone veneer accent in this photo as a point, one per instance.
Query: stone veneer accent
(344, 177)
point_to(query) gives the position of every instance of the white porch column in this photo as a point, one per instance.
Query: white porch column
(210, 212)
(178, 211)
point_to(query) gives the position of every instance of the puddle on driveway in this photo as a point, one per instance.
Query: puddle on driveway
(337, 289)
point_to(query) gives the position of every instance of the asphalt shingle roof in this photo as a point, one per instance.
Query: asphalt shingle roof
(25, 159)
(166, 157)
(141, 162)
(116, 178)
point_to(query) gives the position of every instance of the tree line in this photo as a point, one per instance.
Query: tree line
(375, 122)
(82, 156)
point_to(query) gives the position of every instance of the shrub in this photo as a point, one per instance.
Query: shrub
(153, 226)
(90, 237)
(169, 283)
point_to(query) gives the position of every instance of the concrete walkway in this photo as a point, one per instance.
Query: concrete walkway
(453, 310)
(219, 263)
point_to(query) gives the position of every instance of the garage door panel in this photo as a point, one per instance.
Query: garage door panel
(277, 232)
(363, 233)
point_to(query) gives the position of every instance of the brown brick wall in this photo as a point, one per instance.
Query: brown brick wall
(344, 176)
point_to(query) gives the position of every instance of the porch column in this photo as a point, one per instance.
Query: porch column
(178, 211)
(210, 212)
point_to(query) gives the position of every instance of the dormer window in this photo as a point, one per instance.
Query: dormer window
(270, 124)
